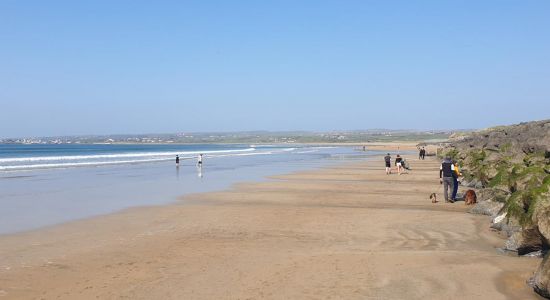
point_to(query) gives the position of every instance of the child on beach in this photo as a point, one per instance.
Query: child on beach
(199, 160)
(177, 161)
(387, 159)
(456, 174)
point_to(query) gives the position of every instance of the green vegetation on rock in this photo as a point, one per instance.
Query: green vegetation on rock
(513, 164)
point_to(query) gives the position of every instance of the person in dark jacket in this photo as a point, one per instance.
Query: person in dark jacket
(446, 173)
(387, 159)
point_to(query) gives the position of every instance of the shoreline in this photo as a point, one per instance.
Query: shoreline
(340, 231)
(45, 197)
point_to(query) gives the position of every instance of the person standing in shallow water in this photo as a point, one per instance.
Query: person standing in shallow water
(387, 159)
(199, 160)
(177, 161)
(446, 173)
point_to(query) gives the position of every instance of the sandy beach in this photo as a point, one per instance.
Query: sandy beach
(342, 232)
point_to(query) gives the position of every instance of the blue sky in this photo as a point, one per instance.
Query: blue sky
(99, 67)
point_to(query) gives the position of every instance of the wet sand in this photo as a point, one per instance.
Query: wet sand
(346, 232)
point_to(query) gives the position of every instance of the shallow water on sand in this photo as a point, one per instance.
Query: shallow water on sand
(31, 199)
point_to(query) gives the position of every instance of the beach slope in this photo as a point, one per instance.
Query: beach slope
(346, 232)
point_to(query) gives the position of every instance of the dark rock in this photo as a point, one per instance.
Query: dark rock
(530, 240)
(526, 138)
(507, 225)
(476, 184)
(494, 194)
(541, 279)
(525, 242)
(512, 243)
(542, 217)
(488, 208)
(537, 254)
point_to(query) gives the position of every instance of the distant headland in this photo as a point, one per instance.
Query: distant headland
(251, 137)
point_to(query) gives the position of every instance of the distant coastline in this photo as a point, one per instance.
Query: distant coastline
(298, 137)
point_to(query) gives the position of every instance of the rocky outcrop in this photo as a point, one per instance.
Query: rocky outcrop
(541, 280)
(487, 207)
(543, 222)
(525, 137)
(510, 167)
(491, 201)
(525, 241)
(502, 223)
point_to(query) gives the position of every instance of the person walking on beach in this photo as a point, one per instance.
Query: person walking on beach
(446, 171)
(387, 159)
(399, 164)
(177, 161)
(421, 153)
(199, 160)
(456, 174)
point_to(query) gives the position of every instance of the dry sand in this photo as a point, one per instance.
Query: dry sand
(347, 232)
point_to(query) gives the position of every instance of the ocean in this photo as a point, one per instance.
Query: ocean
(44, 185)
(37, 156)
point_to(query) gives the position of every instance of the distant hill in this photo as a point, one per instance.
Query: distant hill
(251, 137)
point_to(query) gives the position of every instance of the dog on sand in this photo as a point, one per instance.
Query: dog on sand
(470, 197)
(433, 197)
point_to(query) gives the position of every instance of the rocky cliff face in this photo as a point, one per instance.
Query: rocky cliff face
(525, 137)
(510, 165)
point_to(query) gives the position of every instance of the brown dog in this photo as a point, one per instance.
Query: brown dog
(470, 197)
(433, 197)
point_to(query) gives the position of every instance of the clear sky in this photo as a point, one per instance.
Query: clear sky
(100, 67)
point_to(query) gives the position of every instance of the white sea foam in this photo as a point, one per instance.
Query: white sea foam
(114, 156)
(307, 151)
(272, 151)
(50, 162)
(76, 164)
